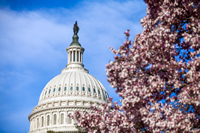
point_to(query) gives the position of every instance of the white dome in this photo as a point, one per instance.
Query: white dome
(73, 84)
(74, 89)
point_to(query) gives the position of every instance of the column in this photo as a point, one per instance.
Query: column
(59, 118)
(65, 120)
(68, 57)
(74, 52)
(51, 119)
(72, 56)
(45, 119)
(35, 121)
(76, 56)
(40, 123)
(31, 125)
(79, 56)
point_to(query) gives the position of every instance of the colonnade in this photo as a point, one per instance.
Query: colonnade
(75, 56)
(50, 119)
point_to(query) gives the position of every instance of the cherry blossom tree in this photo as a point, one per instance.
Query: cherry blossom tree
(157, 75)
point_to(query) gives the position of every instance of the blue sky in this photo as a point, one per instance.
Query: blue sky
(34, 35)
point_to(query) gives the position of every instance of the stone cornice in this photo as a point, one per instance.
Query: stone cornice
(69, 107)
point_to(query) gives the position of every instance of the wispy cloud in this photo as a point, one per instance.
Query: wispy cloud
(33, 43)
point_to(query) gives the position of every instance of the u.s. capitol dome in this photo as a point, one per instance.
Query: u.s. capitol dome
(73, 89)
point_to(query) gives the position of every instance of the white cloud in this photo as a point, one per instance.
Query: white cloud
(38, 36)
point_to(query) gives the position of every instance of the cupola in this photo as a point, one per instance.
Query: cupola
(74, 89)
(75, 51)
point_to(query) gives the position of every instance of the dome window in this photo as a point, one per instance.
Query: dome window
(42, 121)
(83, 88)
(71, 88)
(45, 92)
(94, 90)
(77, 88)
(99, 91)
(48, 120)
(54, 119)
(65, 88)
(49, 91)
(89, 89)
(59, 89)
(62, 118)
(54, 89)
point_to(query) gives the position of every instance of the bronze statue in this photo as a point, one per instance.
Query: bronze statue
(76, 28)
(75, 36)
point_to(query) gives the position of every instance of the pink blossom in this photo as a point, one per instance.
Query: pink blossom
(147, 68)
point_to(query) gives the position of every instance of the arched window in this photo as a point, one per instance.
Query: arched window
(69, 120)
(48, 120)
(77, 88)
(71, 88)
(94, 90)
(59, 89)
(65, 88)
(89, 89)
(54, 119)
(99, 91)
(42, 121)
(62, 118)
(45, 92)
(83, 88)
(37, 122)
(54, 89)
